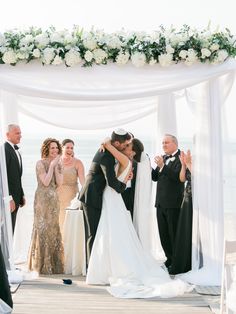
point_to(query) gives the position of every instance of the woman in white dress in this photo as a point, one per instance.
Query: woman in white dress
(117, 257)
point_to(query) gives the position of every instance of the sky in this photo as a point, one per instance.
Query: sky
(113, 15)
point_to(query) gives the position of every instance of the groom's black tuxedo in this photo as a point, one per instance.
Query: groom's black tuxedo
(14, 174)
(129, 193)
(169, 195)
(101, 173)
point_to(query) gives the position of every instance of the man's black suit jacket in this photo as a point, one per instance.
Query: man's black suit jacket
(129, 193)
(102, 170)
(14, 174)
(169, 188)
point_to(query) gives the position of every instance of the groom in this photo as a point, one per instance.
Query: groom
(101, 173)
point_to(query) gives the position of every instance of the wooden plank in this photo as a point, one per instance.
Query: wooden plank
(48, 294)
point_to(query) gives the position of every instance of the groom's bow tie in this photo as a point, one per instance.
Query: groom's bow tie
(16, 147)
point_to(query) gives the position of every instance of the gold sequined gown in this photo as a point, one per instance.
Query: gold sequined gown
(67, 191)
(46, 254)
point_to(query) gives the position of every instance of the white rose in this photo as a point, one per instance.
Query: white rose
(138, 59)
(205, 53)
(214, 47)
(36, 53)
(72, 58)
(88, 56)
(99, 55)
(165, 59)
(57, 60)
(69, 39)
(90, 43)
(183, 54)
(9, 57)
(152, 61)
(41, 40)
(48, 55)
(122, 58)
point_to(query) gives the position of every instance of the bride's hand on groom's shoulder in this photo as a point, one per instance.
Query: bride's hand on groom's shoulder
(106, 141)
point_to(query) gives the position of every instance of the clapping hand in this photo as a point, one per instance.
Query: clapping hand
(159, 161)
(55, 161)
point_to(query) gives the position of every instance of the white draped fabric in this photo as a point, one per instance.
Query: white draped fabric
(106, 96)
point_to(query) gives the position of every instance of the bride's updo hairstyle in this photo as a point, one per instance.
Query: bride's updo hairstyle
(138, 148)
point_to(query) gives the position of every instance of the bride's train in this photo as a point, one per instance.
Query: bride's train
(119, 260)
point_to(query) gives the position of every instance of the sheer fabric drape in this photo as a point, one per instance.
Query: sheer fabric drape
(105, 96)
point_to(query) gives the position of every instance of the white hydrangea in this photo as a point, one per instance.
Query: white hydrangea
(99, 55)
(36, 53)
(138, 59)
(122, 58)
(175, 39)
(9, 57)
(214, 47)
(57, 37)
(22, 55)
(69, 39)
(192, 57)
(165, 59)
(88, 56)
(113, 42)
(183, 54)
(48, 55)
(41, 40)
(25, 41)
(205, 53)
(72, 58)
(57, 60)
(90, 43)
(169, 49)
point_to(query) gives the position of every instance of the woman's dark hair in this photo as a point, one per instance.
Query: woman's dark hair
(138, 148)
(66, 141)
(46, 145)
(120, 138)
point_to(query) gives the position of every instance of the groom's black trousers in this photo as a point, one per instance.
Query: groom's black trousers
(91, 220)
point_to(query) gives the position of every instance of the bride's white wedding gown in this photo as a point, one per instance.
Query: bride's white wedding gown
(118, 259)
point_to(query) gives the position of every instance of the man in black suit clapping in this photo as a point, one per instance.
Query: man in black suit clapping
(14, 170)
(169, 194)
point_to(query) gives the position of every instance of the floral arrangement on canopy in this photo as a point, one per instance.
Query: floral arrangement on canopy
(164, 46)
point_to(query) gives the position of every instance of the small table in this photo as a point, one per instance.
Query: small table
(74, 242)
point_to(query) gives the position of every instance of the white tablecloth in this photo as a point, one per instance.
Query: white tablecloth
(74, 244)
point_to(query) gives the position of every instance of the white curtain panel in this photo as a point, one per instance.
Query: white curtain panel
(105, 96)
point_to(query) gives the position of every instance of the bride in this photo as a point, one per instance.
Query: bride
(117, 257)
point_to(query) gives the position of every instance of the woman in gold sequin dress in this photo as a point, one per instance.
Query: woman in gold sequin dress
(73, 169)
(46, 254)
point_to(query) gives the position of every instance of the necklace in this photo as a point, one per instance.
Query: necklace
(67, 161)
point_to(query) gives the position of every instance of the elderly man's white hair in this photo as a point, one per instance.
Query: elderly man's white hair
(174, 138)
(12, 126)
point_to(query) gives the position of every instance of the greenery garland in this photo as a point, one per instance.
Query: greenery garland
(164, 46)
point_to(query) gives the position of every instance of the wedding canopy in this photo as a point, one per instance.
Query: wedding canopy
(108, 95)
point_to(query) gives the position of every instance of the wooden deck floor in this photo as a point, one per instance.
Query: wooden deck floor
(49, 295)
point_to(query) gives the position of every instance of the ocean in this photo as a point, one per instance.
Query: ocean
(86, 148)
